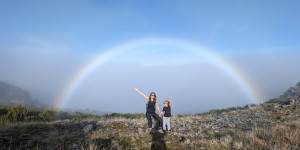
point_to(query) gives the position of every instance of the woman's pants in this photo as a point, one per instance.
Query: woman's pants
(156, 117)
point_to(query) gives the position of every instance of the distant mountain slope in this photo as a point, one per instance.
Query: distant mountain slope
(10, 92)
(292, 92)
(11, 95)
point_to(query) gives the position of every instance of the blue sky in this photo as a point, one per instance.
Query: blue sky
(229, 25)
(48, 41)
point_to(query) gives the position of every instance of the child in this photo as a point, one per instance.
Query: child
(167, 114)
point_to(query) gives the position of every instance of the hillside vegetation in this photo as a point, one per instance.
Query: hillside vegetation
(271, 125)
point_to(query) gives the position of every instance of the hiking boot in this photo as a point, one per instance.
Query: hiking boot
(150, 130)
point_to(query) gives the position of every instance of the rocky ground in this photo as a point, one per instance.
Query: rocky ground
(270, 125)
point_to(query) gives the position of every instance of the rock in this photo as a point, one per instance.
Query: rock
(140, 124)
(88, 128)
(100, 122)
(140, 131)
(244, 127)
(231, 125)
(133, 139)
(187, 141)
(181, 139)
(175, 133)
(75, 146)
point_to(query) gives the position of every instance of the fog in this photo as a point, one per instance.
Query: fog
(195, 84)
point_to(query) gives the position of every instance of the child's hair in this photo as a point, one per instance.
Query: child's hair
(166, 101)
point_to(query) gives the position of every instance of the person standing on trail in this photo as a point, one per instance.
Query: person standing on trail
(167, 114)
(150, 110)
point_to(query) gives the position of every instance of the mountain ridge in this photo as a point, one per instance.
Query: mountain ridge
(292, 92)
(11, 95)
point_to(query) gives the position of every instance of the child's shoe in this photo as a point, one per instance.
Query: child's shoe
(160, 131)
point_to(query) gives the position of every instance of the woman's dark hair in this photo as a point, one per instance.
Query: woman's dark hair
(154, 100)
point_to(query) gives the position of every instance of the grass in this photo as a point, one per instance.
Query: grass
(270, 129)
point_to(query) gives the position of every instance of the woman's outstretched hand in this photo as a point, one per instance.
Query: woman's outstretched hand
(136, 89)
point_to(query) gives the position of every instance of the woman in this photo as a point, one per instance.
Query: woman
(150, 110)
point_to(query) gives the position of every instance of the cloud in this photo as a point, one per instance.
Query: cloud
(38, 66)
(196, 87)
(44, 68)
(273, 70)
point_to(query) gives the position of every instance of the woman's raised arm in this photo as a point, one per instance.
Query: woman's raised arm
(147, 98)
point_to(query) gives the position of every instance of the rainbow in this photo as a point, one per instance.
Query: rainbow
(229, 68)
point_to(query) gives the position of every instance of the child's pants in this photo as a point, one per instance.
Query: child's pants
(166, 121)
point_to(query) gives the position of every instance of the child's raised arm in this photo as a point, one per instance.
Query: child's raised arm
(147, 98)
